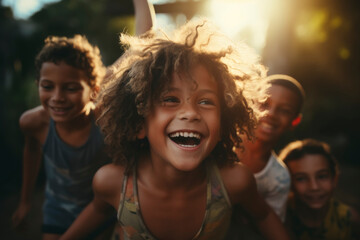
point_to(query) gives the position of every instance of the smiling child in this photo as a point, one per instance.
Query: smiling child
(170, 116)
(313, 213)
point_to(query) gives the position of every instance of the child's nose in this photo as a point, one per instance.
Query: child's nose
(58, 95)
(270, 112)
(188, 111)
(314, 184)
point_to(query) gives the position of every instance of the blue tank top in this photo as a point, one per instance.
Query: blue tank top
(69, 172)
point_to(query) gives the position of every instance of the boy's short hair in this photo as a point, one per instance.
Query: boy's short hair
(76, 52)
(289, 83)
(298, 149)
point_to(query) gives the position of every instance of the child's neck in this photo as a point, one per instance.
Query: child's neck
(79, 122)
(168, 178)
(256, 155)
(312, 218)
(76, 132)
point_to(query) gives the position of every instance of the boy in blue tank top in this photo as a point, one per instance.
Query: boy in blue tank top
(62, 131)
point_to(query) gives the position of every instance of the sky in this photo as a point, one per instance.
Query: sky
(232, 16)
(23, 9)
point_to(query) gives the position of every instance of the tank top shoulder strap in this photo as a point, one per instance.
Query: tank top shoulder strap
(127, 198)
(218, 189)
(51, 134)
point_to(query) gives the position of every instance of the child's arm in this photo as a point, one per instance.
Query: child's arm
(91, 218)
(144, 16)
(107, 189)
(31, 162)
(242, 190)
(144, 21)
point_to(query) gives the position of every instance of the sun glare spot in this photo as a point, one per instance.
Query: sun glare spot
(242, 20)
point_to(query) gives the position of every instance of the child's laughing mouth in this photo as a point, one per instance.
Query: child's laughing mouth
(187, 139)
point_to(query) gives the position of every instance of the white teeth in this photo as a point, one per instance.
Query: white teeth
(266, 125)
(185, 134)
(188, 146)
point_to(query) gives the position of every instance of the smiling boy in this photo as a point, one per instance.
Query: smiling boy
(313, 212)
(282, 113)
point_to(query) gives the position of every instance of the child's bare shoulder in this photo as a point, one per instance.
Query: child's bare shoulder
(34, 120)
(238, 180)
(107, 181)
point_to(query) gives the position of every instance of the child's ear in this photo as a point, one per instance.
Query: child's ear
(94, 91)
(296, 121)
(141, 134)
(335, 180)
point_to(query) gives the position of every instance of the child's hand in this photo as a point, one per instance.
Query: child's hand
(20, 214)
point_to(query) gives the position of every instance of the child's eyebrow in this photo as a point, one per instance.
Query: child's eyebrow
(208, 91)
(175, 89)
(299, 174)
(325, 170)
(171, 89)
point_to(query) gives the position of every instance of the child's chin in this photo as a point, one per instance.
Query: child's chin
(317, 205)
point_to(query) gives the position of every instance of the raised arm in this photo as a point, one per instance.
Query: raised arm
(144, 21)
(31, 164)
(144, 16)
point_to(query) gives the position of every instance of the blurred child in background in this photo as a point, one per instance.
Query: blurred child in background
(63, 131)
(282, 113)
(313, 213)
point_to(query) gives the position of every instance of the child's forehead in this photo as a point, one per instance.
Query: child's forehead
(61, 71)
(195, 77)
(286, 94)
(61, 67)
(309, 163)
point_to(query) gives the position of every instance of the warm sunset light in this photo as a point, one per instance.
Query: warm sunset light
(246, 20)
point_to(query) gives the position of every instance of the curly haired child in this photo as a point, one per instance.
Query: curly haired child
(313, 212)
(170, 116)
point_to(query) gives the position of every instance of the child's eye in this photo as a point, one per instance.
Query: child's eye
(300, 179)
(206, 102)
(169, 101)
(323, 176)
(46, 87)
(73, 87)
(285, 111)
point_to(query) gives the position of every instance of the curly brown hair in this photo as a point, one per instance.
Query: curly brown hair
(145, 70)
(76, 52)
